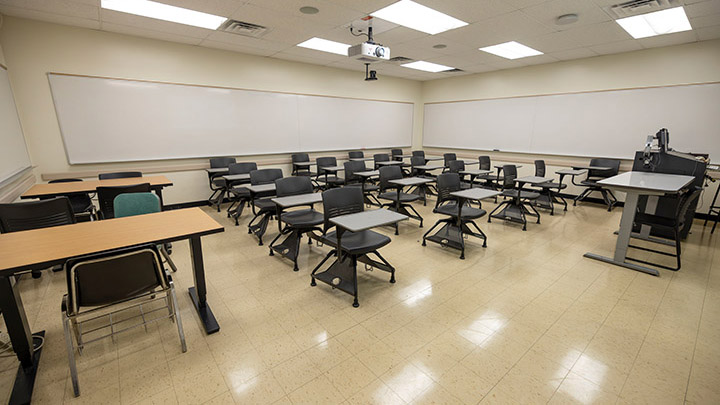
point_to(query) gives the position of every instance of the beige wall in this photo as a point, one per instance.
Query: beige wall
(35, 48)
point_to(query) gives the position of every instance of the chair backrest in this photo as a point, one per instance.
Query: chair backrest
(341, 201)
(356, 154)
(219, 162)
(420, 153)
(351, 168)
(456, 166)
(106, 196)
(111, 277)
(685, 202)
(23, 216)
(130, 204)
(300, 157)
(417, 161)
(293, 186)
(448, 157)
(326, 161)
(242, 167)
(614, 165)
(540, 168)
(265, 176)
(381, 157)
(388, 173)
(79, 202)
(509, 176)
(396, 153)
(484, 162)
(446, 184)
(118, 175)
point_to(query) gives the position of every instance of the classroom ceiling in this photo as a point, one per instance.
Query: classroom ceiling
(531, 22)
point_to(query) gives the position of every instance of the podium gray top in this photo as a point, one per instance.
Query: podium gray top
(647, 183)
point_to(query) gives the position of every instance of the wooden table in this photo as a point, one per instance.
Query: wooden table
(157, 183)
(47, 247)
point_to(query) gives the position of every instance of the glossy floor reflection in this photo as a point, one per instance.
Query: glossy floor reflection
(525, 320)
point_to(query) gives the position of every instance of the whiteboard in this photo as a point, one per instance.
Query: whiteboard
(14, 156)
(116, 120)
(593, 124)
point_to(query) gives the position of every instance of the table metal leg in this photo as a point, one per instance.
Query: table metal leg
(198, 293)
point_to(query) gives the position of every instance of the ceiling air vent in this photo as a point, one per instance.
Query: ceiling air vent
(243, 28)
(635, 7)
(400, 59)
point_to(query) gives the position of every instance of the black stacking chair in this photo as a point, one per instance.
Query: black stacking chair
(674, 225)
(327, 179)
(24, 216)
(447, 158)
(591, 182)
(380, 157)
(397, 201)
(262, 206)
(550, 192)
(356, 154)
(457, 221)
(424, 189)
(491, 180)
(218, 185)
(354, 246)
(297, 222)
(102, 285)
(82, 204)
(351, 179)
(239, 195)
(301, 170)
(106, 197)
(517, 198)
(419, 153)
(118, 175)
(397, 155)
(457, 166)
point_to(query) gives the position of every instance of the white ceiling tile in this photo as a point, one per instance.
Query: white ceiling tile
(453, 61)
(131, 20)
(507, 27)
(617, 47)
(703, 8)
(600, 33)
(223, 8)
(282, 27)
(241, 40)
(50, 17)
(570, 54)
(319, 57)
(61, 7)
(366, 6)
(538, 60)
(237, 48)
(329, 12)
(546, 13)
(399, 35)
(705, 21)
(481, 68)
(525, 3)
(708, 33)
(470, 11)
(553, 42)
(146, 33)
(451, 47)
(668, 39)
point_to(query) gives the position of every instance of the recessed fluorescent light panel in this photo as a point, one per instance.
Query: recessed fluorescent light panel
(427, 66)
(418, 17)
(511, 50)
(325, 45)
(165, 12)
(657, 23)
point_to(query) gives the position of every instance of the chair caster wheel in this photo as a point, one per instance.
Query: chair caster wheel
(355, 304)
(312, 283)
(424, 244)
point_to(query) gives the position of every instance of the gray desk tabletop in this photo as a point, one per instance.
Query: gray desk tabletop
(296, 200)
(571, 172)
(304, 163)
(428, 167)
(647, 182)
(332, 168)
(471, 162)
(362, 159)
(367, 219)
(389, 163)
(533, 179)
(592, 167)
(411, 181)
(259, 188)
(216, 170)
(236, 177)
(475, 193)
(434, 159)
(501, 166)
(476, 172)
(368, 173)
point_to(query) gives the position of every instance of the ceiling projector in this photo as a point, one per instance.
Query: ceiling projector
(369, 52)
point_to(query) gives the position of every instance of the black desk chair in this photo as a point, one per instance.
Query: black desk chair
(354, 246)
(457, 221)
(515, 208)
(24, 216)
(82, 204)
(356, 154)
(549, 192)
(327, 179)
(218, 185)
(447, 158)
(380, 157)
(419, 153)
(397, 156)
(297, 222)
(262, 206)
(301, 170)
(674, 225)
(423, 190)
(491, 180)
(351, 179)
(102, 285)
(118, 175)
(397, 200)
(239, 195)
(591, 182)
(106, 197)
(457, 166)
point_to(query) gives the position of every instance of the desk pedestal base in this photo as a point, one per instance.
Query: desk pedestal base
(25, 378)
(627, 265)
(206, 316)
(452, 236)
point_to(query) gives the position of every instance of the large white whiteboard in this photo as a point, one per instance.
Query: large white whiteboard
(598, 124)
(113, 120)
(13, 151)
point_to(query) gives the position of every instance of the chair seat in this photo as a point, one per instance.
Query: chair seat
(590, 183)
(265, 204)
(553, 185)
(219, 182)
(305, 173)
(451, 209)
(302, 218)
(330, 180)
(240, 191)
(530, 195)
(404, 197)
(357, 243)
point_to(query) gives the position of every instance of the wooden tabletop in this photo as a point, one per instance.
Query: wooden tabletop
(42, 190)
(22, 250)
